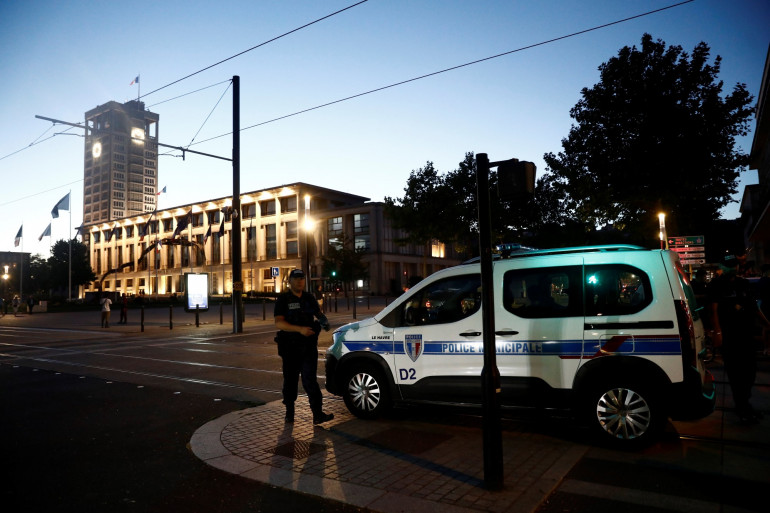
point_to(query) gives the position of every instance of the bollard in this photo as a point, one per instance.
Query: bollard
(264, 313)
(170, 317)
(335, 304)
(369, 302)
(197, 318)
(220, 313)
(142, 318)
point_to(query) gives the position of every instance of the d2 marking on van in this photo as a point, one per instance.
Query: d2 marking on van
(413, 346)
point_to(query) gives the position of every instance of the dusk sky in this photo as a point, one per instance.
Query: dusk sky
(61, 59)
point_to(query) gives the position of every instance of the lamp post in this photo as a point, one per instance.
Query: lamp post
(662, 231)
(5, 286)
(308, 225)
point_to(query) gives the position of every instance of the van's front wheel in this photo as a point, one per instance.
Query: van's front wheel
(366, 392)
(624, 415)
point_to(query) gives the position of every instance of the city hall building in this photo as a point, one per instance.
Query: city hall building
(282, 228)
(136, 249)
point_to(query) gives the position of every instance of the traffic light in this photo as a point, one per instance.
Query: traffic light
(334, 273)
(515, 179)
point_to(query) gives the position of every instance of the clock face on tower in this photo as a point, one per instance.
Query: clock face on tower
(137, 135)
(96, 149)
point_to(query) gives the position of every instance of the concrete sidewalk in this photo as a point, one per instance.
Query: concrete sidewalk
(388, 465)
(435, 463)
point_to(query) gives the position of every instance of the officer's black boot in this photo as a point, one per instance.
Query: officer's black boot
(289, 418)
(321, 417)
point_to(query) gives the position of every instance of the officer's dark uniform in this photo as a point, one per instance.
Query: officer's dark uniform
(737, 312)
(299, 353)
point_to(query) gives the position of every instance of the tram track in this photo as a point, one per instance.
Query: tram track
(147, 374)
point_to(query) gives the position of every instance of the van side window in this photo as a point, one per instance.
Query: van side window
(543, 292)
(616, 290)
(441, 302)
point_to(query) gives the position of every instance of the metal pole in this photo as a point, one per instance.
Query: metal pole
(490, 375)
(236, 217)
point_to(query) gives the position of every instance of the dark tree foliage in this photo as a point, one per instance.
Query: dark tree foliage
(445, 208)
(58, 265)
(424, 209)
(347, 262)
(39, 275)
(655, 134)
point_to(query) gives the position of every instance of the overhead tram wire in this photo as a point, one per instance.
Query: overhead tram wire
(38, 141)
(414, 79)
(191, 92)
(210, 113)
(255, 47)
(209, 67)
(41, 192)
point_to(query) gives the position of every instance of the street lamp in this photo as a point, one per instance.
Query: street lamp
(662, 232)
(308, 225)
(5, 286)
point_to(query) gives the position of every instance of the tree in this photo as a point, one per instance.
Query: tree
(655, 134)
(345, 263)
(39, 275)
(445, 208)
(59, 265)
(423, 211)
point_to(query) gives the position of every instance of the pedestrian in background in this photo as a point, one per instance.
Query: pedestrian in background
(30, 304)
(734, 315)
(105, 302)
(295, 316)
(123, 310)
(16, 301)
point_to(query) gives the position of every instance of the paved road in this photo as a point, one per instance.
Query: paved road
(76, 443)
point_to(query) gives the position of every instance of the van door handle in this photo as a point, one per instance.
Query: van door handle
(470, 334)
(506, 333)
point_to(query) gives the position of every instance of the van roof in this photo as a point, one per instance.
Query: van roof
(531, 252)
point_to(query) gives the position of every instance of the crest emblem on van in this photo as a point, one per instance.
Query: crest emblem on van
(413, 346)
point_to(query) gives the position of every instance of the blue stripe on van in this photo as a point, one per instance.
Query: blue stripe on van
(642, 346)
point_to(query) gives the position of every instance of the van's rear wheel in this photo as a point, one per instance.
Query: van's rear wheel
(624, 415)
(366, 392)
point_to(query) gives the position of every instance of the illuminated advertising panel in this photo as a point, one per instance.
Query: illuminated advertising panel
(196, 292)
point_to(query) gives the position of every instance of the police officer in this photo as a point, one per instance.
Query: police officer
(297, 341)
(734, 313)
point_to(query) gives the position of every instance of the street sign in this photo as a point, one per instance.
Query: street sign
(694, 261)
(686, 256)
(688, 249)
(274, 272)
(686, 240)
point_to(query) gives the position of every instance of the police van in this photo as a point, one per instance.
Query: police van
(611, 333)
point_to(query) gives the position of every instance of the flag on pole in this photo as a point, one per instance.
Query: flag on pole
(208, 234)
(80, 230)
(144, 229)
(63, 204)
(162, 191)
(182, 224)
(222, 228)
(17, 241)
(46, 233)
(135, 81)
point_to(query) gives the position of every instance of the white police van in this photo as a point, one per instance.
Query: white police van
(610, 332)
